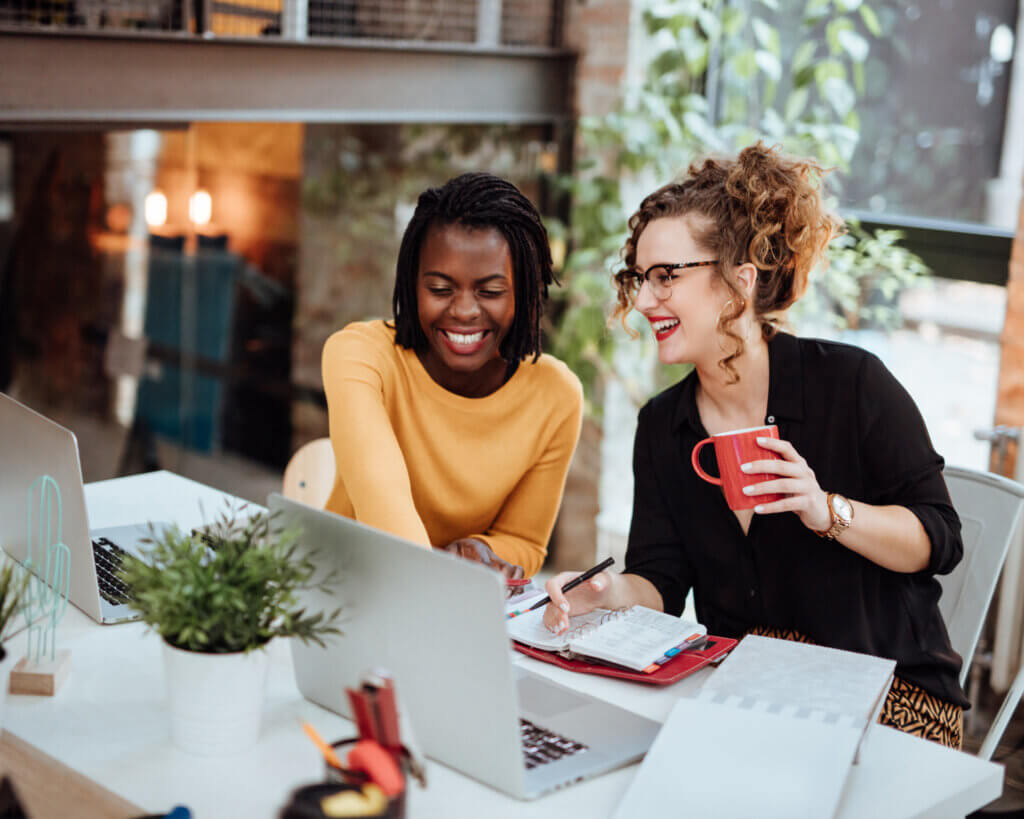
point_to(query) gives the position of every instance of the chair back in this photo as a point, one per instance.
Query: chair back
(990, 508)
(310, 474)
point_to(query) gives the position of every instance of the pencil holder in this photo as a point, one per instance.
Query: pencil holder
(395, 808)
(320, 802)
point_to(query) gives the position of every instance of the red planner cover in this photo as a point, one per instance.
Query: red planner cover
(682, 665)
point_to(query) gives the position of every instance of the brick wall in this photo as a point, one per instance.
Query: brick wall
(599, 31)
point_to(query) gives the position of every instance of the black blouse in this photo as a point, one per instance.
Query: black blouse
(863, 436)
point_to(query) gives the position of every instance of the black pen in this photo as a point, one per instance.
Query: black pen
(572, 584)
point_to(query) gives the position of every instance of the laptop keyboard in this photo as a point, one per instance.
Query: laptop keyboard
(541, 746)
(108, 557)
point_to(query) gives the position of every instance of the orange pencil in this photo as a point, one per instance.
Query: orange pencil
(325, 749)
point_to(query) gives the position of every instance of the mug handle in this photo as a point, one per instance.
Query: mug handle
(696, 465)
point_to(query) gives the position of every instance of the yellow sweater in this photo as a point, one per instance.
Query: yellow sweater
(431, 466)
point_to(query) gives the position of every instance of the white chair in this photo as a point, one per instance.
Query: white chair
(310, 474)
(991, 509)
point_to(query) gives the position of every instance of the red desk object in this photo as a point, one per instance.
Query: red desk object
(682, 665)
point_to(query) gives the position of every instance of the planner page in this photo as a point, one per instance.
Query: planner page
(636, 637)
(529, 629)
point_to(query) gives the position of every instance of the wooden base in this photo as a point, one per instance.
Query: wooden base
(43, 678)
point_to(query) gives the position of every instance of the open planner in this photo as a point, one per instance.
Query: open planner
(637, 638)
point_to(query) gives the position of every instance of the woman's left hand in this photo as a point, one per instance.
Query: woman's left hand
(476, 550)
(796, 480)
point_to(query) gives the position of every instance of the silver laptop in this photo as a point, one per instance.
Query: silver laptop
(31, 446)
(437, 623)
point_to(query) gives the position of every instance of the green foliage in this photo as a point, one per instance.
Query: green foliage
(720, 76)
(13, 585)
(233, 588)
(866, 274)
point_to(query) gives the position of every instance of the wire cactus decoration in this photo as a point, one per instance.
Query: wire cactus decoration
(49, 562)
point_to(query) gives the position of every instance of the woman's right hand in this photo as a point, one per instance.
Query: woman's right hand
(593, 594)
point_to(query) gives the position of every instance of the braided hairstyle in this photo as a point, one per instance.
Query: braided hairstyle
(761, 207)
(479, 200)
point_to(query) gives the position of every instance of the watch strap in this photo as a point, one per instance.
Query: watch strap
(838, 524)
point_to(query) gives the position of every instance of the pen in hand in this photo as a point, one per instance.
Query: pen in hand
(572, 584)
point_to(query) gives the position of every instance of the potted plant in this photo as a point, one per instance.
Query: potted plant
(13, 583)
(217, 598)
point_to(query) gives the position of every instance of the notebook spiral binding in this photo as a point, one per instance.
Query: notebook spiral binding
(580, 632)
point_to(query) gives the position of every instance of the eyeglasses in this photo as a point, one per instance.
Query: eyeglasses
(659, 276)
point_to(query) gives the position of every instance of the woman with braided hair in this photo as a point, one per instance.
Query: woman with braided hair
(449, 426)
(847, 557)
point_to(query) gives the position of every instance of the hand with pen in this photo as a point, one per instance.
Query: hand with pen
(575, 593)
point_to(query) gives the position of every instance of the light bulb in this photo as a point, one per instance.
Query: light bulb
(200, 207)
(156, 209)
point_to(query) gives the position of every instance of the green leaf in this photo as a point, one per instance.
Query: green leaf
(854, 45)
(867, 14)
(769, 64)
(847, 5)
(733, 21)
(767, 37)
(611, 217)
(773, 125)
(816, 10)
(839, 95)
(828, 69)
(744, 64)
(803, 77)
(803, 56)
(796, 103)
(702, 131)
(710, 22)
(858, 78)
(833, 30)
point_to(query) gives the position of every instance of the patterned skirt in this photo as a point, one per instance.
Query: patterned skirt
(907, 707)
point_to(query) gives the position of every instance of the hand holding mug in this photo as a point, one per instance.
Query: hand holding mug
(795, 481)
(732, 450)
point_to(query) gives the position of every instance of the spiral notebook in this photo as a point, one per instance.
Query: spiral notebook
(790, 716)
(636, 638)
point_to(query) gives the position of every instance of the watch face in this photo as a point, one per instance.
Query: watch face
(841, 506)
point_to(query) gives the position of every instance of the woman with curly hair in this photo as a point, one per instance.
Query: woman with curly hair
(847, 557)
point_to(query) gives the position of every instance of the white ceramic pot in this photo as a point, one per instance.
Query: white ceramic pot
(216, 700)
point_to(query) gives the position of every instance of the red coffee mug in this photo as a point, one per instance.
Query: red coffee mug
(732, 449)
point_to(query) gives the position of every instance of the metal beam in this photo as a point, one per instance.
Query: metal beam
(953, 250)
(58, 78)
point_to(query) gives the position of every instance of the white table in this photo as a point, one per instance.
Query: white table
(109, 721)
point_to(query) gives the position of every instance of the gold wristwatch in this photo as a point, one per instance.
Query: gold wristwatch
(841, 511)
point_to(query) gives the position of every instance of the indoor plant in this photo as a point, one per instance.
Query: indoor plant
(13, 583)
(217, 597)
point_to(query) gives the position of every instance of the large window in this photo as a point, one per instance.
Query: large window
(933, 116)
